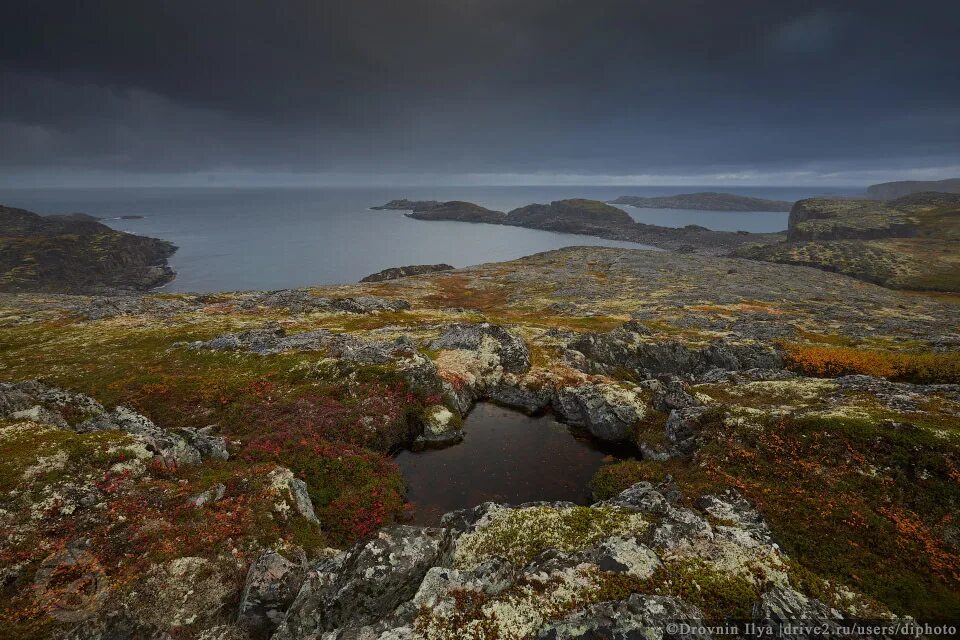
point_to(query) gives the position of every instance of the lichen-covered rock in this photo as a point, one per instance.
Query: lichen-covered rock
(512, 392)
(183, 592)
(440, 427)
(306, 616)
(608, 411)
(639, 616)
(735, 510)
(782, 605)
(291, 493)
(38, 402)
(203, 440)
(272, 583)
(211, 495)
(370, 581)
(630, 348)
(510, 350)
(402, 272)
(167, 444)
(626, 554)
(682, 427)
(302, 301)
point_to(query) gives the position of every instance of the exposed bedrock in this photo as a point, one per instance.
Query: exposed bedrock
(548, 570)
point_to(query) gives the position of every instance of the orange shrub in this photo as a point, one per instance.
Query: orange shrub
(829, 362)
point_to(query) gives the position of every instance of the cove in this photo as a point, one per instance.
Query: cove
(506, 456)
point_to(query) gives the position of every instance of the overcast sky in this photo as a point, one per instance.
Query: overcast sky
(478, 91)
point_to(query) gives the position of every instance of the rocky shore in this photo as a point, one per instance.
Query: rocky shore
(77, 254)
(218, 466)
(705, 201)
(595, 218)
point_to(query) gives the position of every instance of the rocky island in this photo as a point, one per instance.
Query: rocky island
(76, 254)
(912, 242)
(595, 218)
(219, 465)
(402, 272)
(705, 201)
(406, 205)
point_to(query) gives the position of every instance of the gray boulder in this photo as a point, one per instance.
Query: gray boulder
(368, 582)
(529, 400)
(683, 426)
(781, 605)
(272, 583)
(607, 411)
(511, 350)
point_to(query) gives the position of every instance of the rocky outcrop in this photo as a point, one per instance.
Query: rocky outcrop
(273, 339)
(523, 572)
(301, 301)
(41, 403)
(76, 254)
(365, 584)
(402, 272)
(628, 348)
(272, 583)
(705, 201)
(909, 243)
(823, 219)
(608, 411)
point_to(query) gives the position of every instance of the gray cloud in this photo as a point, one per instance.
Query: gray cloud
(615, 87)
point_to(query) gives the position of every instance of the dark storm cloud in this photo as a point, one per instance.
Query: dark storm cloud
(606, 87)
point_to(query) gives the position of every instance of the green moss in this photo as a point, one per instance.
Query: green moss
(611, 479)
(520, 535)
(718, 594)
(24, 446)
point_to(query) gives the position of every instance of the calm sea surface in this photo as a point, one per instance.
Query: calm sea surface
(272, 238)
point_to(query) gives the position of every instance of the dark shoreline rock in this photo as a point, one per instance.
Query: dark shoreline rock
(406, 205)
(705, 201)
(459, 211)
(402, 272)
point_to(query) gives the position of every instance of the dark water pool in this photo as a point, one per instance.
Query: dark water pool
(506, 456)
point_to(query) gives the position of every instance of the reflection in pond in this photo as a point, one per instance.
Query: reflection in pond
(506, 456)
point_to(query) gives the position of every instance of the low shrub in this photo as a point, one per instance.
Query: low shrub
(832, 361)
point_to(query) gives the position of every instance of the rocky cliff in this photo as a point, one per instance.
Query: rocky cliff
(706, 201)
(217, 466)
(908, 243)
(77, 254)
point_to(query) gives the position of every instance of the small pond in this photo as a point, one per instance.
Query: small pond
(506, 456)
